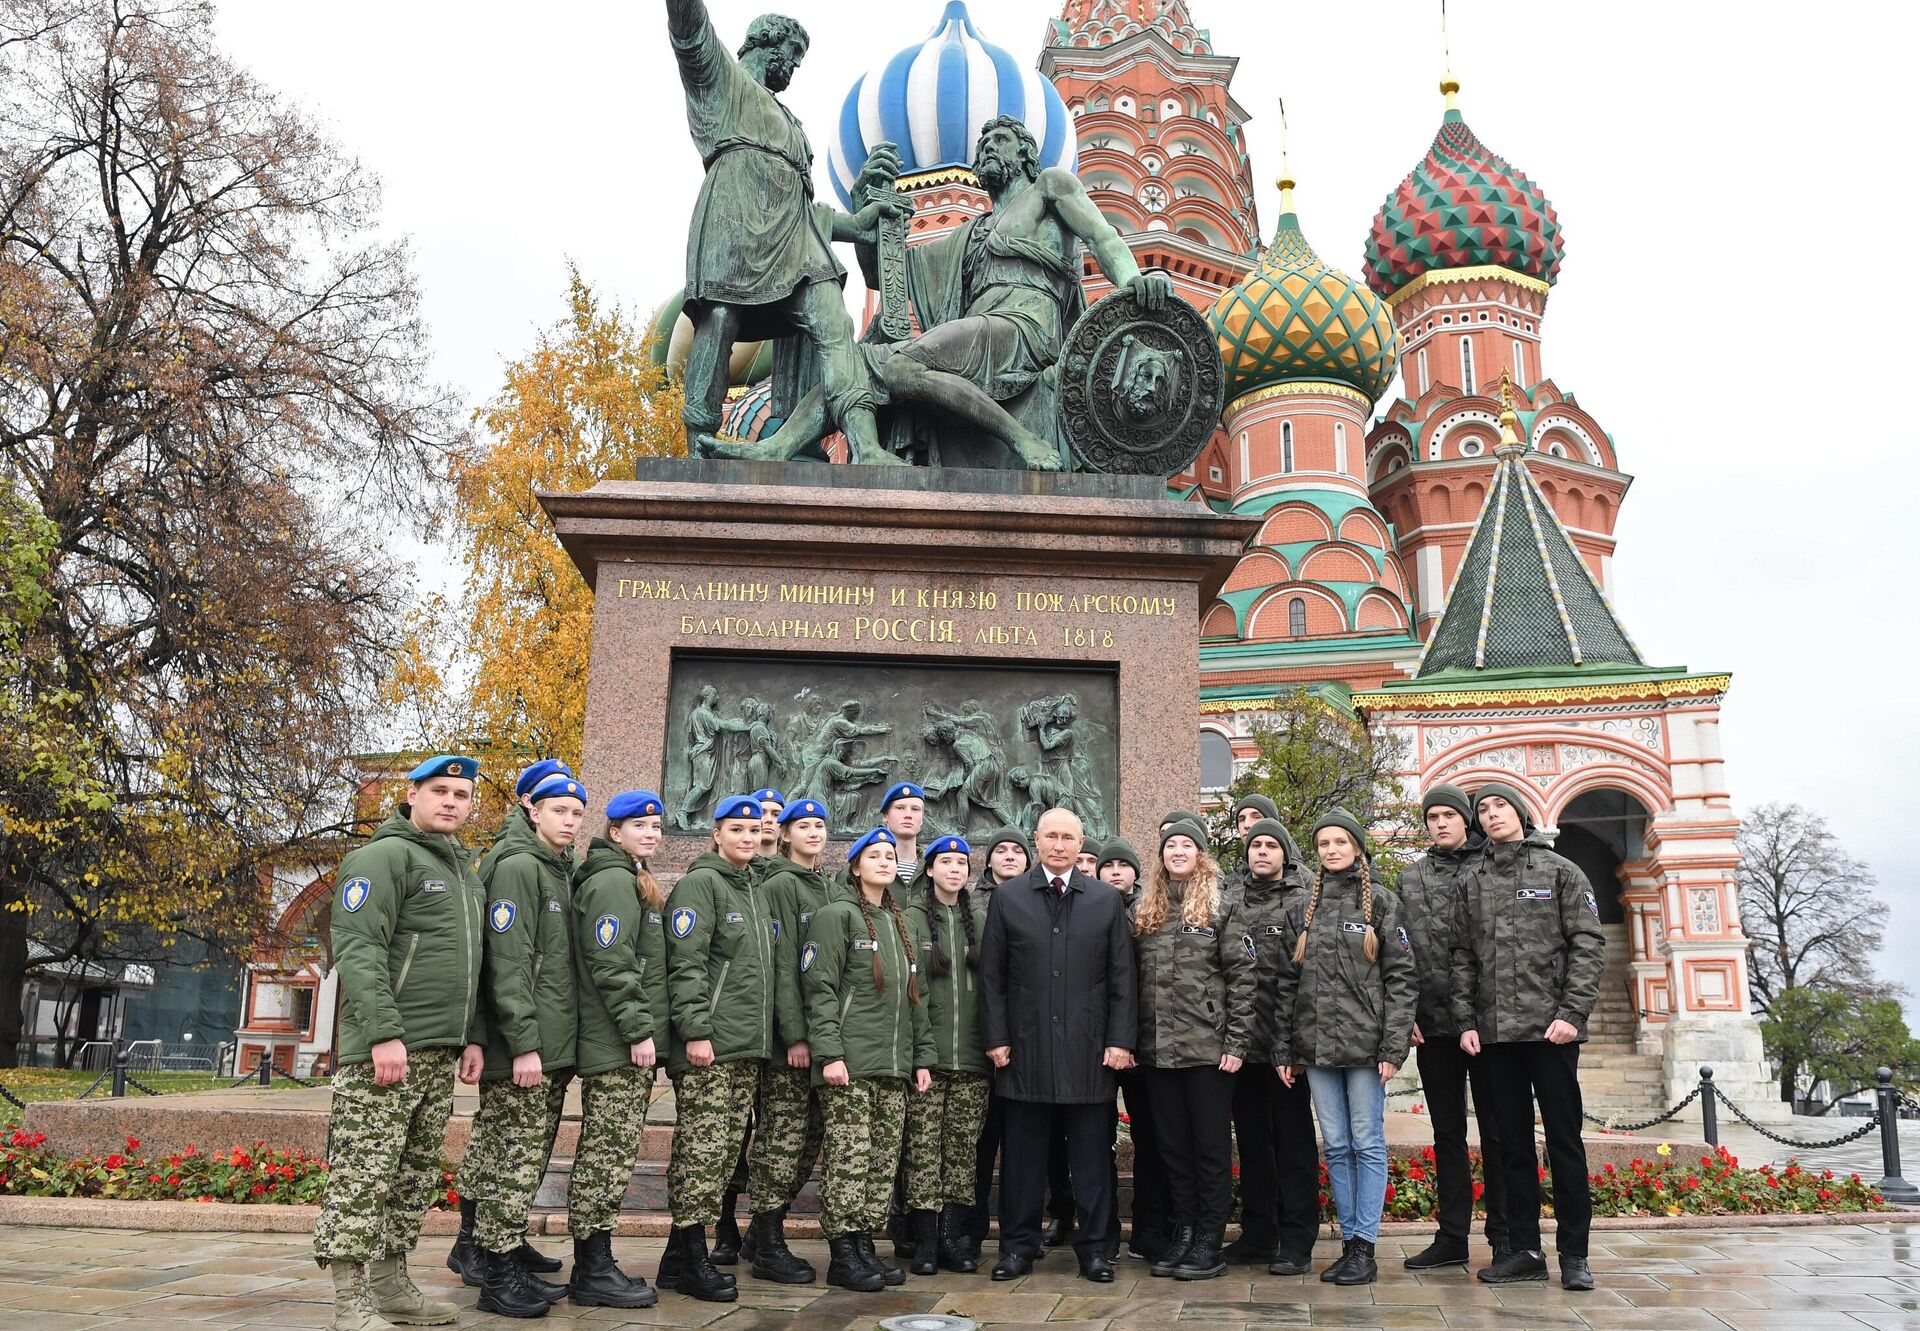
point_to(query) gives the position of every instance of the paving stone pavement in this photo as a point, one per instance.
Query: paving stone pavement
(1801, 1279)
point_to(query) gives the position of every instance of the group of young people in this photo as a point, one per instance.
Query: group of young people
(813, 1007)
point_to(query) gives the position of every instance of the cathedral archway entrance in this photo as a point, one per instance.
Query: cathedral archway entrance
(1600, 830)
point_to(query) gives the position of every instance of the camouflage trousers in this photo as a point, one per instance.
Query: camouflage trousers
(384, 1157)
(787, 1133)
(943, 1137)
(613, 1119)
(865, 1121)
(507, 1154)
(711, 1106)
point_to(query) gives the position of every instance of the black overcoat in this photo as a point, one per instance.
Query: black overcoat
(1058, 986)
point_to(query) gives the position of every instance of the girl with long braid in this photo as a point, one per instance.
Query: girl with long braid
(869, 1036)
(1344, 996)
(943, 1126)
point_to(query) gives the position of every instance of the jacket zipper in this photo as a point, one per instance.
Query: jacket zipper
(953, 1055)
(470, 929)
(406, 964)
(893, 1049)
(763, 949)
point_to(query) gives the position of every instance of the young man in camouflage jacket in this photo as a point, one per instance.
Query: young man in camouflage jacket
(1527, 957)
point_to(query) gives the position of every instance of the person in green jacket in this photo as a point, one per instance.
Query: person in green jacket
(1344, 995)
(526, 1022)
(790, 1128)
(406, 945)
(1196, 1026)
(720, 987)
(870, 1038)
(619, 957)
(943, 1126)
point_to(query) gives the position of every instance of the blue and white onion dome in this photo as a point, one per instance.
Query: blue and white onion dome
(932, 98)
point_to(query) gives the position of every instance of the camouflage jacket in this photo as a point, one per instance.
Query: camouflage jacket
(406, 940)
(1262, 912)
(620, 961)
(877, 1030)
(1429, 892)
(1336, 1009)
(527, 999)
(1196, 988)
(720, 964)
(953, 1001)
(792, 896)
(1528, 950)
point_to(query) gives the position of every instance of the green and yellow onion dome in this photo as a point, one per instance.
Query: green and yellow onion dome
(1293, 319)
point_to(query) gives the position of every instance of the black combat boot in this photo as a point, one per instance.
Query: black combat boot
(1174, 1253)
(956, 1245)
(698, 1277)
(1203, 1260)
(464, 1259)
(504, 1289)
(765, 1247)
(1332, 1273)
(926, 1242)
(848, 1269)
(532, 1259)
(726, 1234)
(863, 1241)
(598, 1282)
(1360, 1268)
(900, 1229)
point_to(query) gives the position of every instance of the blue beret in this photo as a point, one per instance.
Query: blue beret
(736, 806)
(878, 836)
(903, 790)
(947, 845)
(555, 786)
(540, 771)
(634, 804)
(769, 796)
(447, 764)
(804, 809)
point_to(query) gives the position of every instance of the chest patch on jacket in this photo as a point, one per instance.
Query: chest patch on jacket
(1354, 927)
(354, 894)
(501, 915)
(434, 885)
(606, 929)
(683, 921)
(1197, 930)
(1533, 894)
(866, 945)
(805, 915)
(553, 904)
(1275, 930)
(653, 917)
(736, 917)
(807, 954)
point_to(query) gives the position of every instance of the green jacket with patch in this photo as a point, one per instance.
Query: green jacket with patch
(1336, 1009)
(406, 940)
(1429, 891)
(879, 1033)
(1196, 991)
(527, 999)
(793, 896)
(720, 964)
(953, 1000)
(1528, 950)
(619, 961)
(1262, 911)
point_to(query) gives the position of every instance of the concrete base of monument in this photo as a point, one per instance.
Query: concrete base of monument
(1010, 640)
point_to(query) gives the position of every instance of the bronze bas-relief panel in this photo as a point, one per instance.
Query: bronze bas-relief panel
(992, 745)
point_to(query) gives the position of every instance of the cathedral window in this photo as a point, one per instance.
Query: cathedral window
(1216, 761)
(1339, 446)
(1286, 446)
(1423, 369)
(1519, 362)
(1470, 449)
(1297, 617)
(1124, 105)
(1466, 364)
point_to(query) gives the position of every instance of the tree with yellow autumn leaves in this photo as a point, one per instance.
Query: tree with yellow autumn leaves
(502, 672)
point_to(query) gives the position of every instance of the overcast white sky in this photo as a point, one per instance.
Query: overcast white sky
(1732, 180)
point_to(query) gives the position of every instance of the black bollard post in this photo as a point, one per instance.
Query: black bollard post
(119, 1070)
(266, 1067)
(1709, 1108)
(1894, 1188)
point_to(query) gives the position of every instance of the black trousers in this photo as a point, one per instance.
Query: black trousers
(1060, 1204)
(1023, 1173)
(992, 1129)
(1517, 1075)
(1151, 1203)
(1445, 1074)
(1279, 1160)
(1193, 1122)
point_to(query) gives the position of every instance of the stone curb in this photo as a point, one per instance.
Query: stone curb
(255, 1218)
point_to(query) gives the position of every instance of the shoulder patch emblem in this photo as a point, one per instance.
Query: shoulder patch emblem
(606, 929)
(1533, 894)
(354, 893)
(1593, 907)
(501, 915)
(775, 926)
(434, 885)
(683, 921)
(807, 954)
(1246, 941)
(1406, 944)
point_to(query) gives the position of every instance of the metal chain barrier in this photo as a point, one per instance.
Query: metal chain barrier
(96, 1084)
(141, 1086)
(12, 1099)
(1674, 1112)
(1872, 1122)
(297, 1080)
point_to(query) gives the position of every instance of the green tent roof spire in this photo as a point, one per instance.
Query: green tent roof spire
(1522, 595)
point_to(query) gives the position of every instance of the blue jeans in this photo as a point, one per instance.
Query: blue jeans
(1351, 1105)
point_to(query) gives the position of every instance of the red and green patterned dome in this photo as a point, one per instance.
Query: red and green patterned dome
(1463, 206)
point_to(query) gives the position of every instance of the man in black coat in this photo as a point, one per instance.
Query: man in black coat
(1057, 980)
